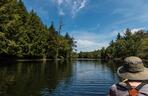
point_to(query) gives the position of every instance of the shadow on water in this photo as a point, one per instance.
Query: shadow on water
(58, 78)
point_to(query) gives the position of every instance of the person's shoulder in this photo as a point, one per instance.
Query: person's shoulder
(113, 87)
(144, 89)
(118, 84)
(145, 86)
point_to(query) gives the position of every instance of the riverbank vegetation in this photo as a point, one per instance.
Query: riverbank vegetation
(92, 55)
(23, 34)
(128, 44)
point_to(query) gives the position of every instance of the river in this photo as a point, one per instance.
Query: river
(57, 78)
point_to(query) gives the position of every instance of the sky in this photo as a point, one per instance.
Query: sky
(92, 23)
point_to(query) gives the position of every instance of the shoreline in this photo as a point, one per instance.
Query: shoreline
(48, 59)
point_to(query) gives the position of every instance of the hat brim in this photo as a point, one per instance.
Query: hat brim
(133, 76)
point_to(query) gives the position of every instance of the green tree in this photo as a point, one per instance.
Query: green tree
(23, 35)
(131, 44)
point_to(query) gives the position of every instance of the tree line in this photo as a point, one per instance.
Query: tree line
(92, 55)
(128, 44)
(23, 34)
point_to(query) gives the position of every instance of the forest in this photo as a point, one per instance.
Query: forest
(92, 55)
(128, 44)
(23, 34)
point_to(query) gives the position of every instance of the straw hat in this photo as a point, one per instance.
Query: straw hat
(133, 69)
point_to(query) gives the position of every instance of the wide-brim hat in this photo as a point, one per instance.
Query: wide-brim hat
(133, 69)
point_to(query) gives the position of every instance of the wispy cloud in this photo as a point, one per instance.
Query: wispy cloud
(61, 12)
(70, 6)
(77, 6)
(59, 2)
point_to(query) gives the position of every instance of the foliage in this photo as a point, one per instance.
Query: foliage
(91, 55)
(23, 35)
(131, 44)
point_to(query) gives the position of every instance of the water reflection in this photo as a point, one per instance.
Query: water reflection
(31, 78)
(55, 78)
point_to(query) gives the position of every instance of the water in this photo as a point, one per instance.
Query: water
(40, 78)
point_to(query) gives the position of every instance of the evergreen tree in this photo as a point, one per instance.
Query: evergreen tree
(23, 35)
(129, 45)
(118, 36)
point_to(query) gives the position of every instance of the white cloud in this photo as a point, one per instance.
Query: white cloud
(70, 6)
(136, 29)
(59, 2)
(89, 45)
(61, 12)
(77, 6)
(122, 32)
(89, 41)
(82, 4)
(85, 43)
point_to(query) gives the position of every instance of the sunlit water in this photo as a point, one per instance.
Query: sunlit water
(40, 78)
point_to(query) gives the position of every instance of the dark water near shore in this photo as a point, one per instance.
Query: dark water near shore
(40, 78)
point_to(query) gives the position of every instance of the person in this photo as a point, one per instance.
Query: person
(135, 77)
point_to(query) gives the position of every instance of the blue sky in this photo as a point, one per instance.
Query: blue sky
(93, 23)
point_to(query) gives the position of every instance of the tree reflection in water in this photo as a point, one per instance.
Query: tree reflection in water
(58, 78)
(32, 78)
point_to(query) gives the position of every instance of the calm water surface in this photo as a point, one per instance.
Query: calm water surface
(55, 78)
